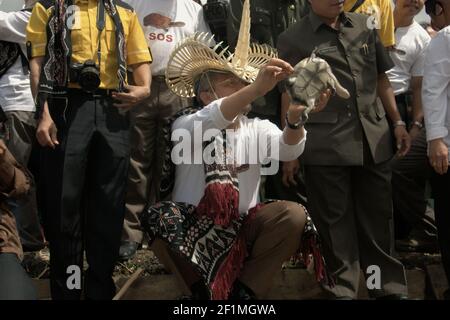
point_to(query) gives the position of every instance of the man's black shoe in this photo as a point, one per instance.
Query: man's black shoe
(127, 250)
(414, 245)
(199, 291)
(241, 292)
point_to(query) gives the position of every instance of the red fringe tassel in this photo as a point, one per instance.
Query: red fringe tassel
(231, 268)
(311, 247)
(220, 203)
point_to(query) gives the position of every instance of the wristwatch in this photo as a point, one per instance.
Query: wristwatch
(299, 124)
(418, 124)
(399, 123)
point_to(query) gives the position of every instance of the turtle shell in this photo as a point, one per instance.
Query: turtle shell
(310, 78)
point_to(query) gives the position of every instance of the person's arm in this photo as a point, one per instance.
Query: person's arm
(46, 132)
(285, 102)
(416, 88)
(221, 113)
(138, 59)
(294, 113)
(13, 26)
(35, 72)
(436, 80)
(387, 97)
(138, 92)
(386, 94)
(417, 110)
(289, 168)
(268, 77)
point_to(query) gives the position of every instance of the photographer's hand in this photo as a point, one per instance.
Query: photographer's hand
(133, 96)
(142, 76)
(46, 133)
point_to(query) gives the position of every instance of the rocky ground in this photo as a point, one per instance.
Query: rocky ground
(156, 283)
(37, 264)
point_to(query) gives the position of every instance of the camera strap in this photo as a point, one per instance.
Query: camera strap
(101, 21)
(356, 6)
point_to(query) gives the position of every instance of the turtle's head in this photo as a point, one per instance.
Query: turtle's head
(291, 81)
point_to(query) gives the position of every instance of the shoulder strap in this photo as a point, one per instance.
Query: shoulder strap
(25, 63)
(10, 52)
(357, 4)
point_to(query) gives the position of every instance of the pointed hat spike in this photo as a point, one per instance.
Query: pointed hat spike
(243, 43)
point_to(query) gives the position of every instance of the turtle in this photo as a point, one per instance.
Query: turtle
(310, 78)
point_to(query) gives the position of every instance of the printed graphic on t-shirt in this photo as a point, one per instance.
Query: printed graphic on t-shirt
(160, 21)
(161, 25)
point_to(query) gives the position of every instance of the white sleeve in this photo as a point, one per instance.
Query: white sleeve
(436, 81)
(13, 26)
(418, 65)
(277, 149)
(209, 117)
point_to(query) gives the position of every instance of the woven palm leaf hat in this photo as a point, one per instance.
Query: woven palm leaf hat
(198, 54)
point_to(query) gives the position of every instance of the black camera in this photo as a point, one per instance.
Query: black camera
(86, 74)
(216, 15)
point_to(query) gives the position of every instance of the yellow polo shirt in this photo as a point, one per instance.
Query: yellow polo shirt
(85, 38)
(386, 17)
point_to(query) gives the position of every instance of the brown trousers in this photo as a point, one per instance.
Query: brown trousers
(352, 210)
(273, 237)
(147, 151)
(21, 130)
(14, 182)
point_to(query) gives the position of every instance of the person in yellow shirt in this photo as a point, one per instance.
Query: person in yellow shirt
(80, 51)
(381, 17)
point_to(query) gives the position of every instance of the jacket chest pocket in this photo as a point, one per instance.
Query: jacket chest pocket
(368, 52)
(77, 39)
(110, 35)
(78, 23)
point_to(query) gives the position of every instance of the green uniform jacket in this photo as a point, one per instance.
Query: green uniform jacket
(357, 57)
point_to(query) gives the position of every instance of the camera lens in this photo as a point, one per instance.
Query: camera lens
(89, 79)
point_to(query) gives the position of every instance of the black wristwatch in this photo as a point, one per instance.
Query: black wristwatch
(299, 124)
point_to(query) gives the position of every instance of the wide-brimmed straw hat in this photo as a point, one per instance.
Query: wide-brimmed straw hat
(197, 54)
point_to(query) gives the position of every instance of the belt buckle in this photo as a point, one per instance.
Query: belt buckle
(98, 93)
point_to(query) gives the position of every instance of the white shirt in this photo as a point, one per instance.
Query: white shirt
(15, 90)
(436, 87)
(408, 57)
(190, 178)
(165, 23)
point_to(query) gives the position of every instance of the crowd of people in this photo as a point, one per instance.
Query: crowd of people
(125, 121)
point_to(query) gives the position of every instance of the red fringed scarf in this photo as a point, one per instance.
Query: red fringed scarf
(220, 202)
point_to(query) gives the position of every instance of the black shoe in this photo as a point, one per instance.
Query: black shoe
(395, 296)
(199, 291)
(415, 245)
(241, 292)
(127, 250)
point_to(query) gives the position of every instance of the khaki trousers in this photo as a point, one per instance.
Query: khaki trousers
(147, 151)
(272, 238)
